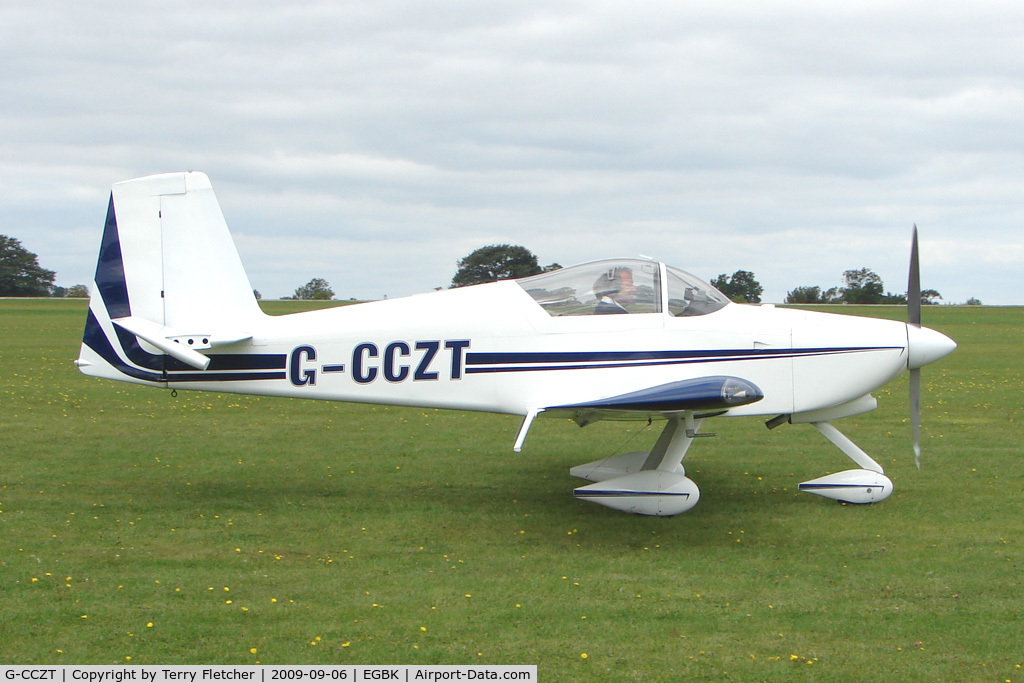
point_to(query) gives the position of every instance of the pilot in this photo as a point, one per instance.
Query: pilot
(614, 290)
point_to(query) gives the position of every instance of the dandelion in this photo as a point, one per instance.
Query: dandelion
(583, 655)
(149, 624)
(253, 650)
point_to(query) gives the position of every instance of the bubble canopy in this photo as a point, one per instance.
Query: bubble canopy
(613, 286)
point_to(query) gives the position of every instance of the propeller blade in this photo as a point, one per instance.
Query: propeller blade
(914, 318)
(914, 285)
(915, 412)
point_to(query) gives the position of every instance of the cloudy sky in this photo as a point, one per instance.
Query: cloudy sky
(375, 143)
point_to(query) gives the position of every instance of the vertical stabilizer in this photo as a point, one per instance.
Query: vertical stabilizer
(169, 283)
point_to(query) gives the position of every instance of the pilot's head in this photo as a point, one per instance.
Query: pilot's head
(616, 284)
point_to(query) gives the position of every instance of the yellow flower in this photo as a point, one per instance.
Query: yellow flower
(252, 650)
(583, 655)
(149, 624)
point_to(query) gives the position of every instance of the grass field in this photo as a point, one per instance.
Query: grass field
(149, 529)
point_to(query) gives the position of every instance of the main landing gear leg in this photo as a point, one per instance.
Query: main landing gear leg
(646, 483)
(866, 485)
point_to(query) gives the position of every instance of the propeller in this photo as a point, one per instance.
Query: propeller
(924, 346)
(914, 319)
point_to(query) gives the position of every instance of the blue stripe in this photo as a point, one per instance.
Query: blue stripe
(110, 280)
(480, 363)
(224, 377)
(807, 487)
(578, 493)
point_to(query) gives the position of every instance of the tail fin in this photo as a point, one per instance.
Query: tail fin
(168, 281)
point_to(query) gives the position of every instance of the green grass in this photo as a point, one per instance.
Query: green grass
(376, 535)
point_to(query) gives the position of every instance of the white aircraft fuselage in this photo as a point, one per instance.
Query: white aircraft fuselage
(172, 307)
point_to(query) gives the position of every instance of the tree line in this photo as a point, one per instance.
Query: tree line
(21, 275)
(860, 286)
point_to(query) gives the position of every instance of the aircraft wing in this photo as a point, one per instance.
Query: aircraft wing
(706, 394)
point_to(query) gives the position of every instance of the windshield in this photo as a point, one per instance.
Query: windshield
(621, 286)
(689, 295)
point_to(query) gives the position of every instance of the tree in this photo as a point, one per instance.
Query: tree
(805, 295)
(317, 289)
(863, 286)
(740, 287)
(497, 262)
(20, 272)
(77, 292)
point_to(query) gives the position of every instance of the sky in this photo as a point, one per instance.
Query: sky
(374, 144)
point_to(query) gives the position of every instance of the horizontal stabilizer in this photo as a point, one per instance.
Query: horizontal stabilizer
(178, 343)
(157, 335)
(703, 393)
